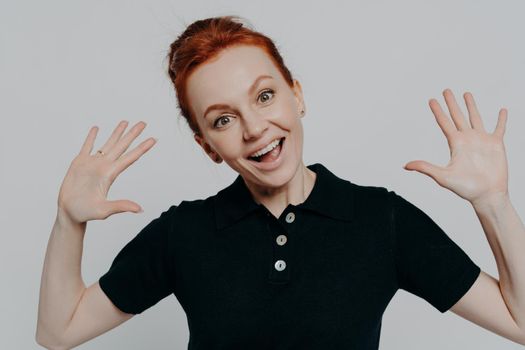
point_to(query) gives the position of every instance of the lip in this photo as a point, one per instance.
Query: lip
(266, 166)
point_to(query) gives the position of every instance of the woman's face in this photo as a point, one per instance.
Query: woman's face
(253, 107)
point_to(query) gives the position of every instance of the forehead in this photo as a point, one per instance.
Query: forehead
(229, 75)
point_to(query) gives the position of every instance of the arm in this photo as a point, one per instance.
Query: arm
(499, 306)
(68, 312)
(61, 284)
(506, 236)
(478, 173)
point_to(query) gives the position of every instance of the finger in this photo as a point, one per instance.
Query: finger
(120, 206)
(501, 124)
(455, 112)
(442, 119)
(436, 172)
(131, 157)
(115, 136)
(473, 113)
(123, 143)
(87, 147)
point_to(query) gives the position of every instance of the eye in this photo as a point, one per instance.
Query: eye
(265, 93)
(223, 120)
(220, 119)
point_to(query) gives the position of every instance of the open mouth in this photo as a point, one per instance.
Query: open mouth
(271, 155)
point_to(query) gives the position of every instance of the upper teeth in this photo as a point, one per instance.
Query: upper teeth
(266, 149)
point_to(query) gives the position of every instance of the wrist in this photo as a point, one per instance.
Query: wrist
(492, 203)
(64, 219)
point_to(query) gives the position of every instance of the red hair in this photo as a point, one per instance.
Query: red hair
(205, 39)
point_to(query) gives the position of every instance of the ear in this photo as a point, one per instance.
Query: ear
(298, 92)
(207, 148)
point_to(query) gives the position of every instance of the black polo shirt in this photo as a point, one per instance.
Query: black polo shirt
(318, 277)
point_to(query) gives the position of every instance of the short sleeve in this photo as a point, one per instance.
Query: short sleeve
(141, 273)
(429, 264)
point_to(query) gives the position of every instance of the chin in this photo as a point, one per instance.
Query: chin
(276, 178)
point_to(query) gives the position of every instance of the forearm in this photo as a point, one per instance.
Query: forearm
(506, 236)
(61, 284)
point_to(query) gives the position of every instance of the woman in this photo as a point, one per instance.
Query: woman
(288, 256)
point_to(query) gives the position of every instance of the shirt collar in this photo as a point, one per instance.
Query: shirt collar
(331, 196)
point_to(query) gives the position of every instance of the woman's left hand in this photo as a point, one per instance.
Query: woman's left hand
(477, 169)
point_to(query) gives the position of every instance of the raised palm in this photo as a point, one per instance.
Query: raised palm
(83, 193)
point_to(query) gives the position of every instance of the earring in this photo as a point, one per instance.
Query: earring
(302, 112)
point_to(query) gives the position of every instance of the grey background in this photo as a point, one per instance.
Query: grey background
(367, 69)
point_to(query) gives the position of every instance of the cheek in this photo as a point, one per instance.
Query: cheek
(297, 133)
(286, 116)
(293, 121)
(229, 146)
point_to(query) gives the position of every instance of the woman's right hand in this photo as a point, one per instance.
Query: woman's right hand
(83, 192)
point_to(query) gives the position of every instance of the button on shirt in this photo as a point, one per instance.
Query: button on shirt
(319, 276)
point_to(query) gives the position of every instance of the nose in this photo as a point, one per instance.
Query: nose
(254, 126)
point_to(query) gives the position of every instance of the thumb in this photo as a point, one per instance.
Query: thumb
(435, 172)
(121, 206)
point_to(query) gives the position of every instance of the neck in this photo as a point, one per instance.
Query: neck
(294, 192)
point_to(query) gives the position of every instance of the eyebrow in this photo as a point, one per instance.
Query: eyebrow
(250, 91)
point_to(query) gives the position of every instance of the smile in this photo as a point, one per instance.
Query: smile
(270, 156)
(266, 149)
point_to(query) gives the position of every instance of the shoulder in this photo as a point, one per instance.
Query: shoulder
(371, 192)
(373, 202)
(363, 200)
(191, 208)
(370, 202)
(372, 195)
(341, 187)
(195, 213)
(335, 183)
